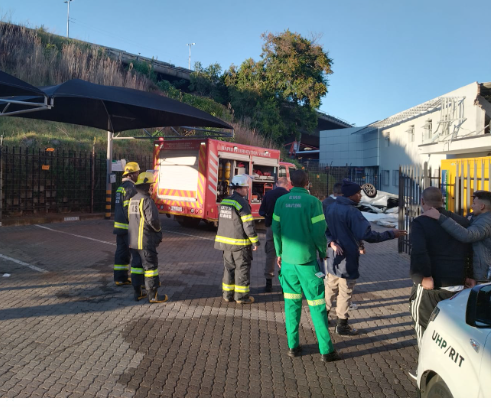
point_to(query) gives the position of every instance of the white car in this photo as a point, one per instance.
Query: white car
(454, 359)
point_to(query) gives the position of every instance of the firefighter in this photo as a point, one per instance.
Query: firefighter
(299, 235)
(237, 238)
(123, 195)
(145, 234)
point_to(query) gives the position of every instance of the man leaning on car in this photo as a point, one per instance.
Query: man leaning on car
(438, 262)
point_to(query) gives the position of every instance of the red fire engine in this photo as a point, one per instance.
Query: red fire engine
(193, 176)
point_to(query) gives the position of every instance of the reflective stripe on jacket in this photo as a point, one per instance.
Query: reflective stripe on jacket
(144, 231)
(123, 195)
(236, 225)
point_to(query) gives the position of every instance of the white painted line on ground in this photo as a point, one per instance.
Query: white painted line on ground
(185, 234)
(23, 264)
(72, 234)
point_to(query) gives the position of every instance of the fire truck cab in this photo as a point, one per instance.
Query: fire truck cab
(193, 176)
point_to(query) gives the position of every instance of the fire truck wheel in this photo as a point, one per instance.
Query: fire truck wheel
(187, 222)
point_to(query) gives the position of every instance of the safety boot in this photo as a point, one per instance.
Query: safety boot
(139, 293)
(344, 329)
(249, 300)
(268, 286)
(331, 357)
(293, 352)
(126, 282)
(155, 298)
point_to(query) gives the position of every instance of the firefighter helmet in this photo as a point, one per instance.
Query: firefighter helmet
(131, 167)
(240, 181)
(145, 177)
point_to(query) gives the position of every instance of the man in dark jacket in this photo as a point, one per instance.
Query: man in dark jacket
(337, 191)
(346, 228)
(145, 234)
(438, 262)
(123, 195)
(237, 238)
(477, 233)
(266, 210)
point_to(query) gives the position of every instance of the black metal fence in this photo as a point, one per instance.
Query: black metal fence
(323, 179)
(41, 182)
(412, 181)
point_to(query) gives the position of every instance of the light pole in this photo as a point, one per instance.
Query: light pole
(68, 17)
(189, 55)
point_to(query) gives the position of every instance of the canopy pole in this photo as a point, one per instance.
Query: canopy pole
(109, 164)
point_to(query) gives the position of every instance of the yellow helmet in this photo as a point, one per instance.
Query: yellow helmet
(131, 167)
(145, 177)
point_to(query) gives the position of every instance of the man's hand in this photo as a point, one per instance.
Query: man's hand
(362, 250)
(428, 283)
(470, 283)
(279, 262)
(399, 233)
(431, 213)
(338, 250)
(254, 248)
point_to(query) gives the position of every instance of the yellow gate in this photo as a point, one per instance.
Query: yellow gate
(460, 178)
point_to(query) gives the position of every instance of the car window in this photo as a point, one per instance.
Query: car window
(483, 307)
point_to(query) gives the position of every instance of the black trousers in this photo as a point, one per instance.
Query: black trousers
(145, 270)
(237, 267)
(121, 258)
(422, 303)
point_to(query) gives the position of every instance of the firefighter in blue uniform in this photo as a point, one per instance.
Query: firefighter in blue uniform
(123, 195)
(237, 238)
(145, 234)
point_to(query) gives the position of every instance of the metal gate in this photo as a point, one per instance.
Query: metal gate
(412, 181)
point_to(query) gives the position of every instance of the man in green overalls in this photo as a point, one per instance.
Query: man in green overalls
(299, 235)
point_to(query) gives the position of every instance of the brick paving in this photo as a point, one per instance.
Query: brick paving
(68, 331)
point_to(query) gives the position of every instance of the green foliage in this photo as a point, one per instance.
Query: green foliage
(144, 68)
(208, 82)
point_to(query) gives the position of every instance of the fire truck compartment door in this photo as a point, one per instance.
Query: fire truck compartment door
(233, 156)
(270, 162)
(178, 175)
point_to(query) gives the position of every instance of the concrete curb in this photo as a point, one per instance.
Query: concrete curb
(51, 218)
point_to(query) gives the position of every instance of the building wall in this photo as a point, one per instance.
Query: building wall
(395, 145)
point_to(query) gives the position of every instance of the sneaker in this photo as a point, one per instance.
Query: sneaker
(293, 352)
(344, 329)
(268, 286)
(413, 375)
(127, 282)
(331, 357)
(249, 300)
(158, 299)
(353, 306)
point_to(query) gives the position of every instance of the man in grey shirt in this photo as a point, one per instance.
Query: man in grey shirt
(477, 233)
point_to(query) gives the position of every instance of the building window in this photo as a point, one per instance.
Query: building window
(396, 177)
(411, 133)
(385, 176)
(427, 130)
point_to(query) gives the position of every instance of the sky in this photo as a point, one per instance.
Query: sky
(389, 55)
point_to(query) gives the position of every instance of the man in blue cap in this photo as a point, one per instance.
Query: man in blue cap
(346, 228)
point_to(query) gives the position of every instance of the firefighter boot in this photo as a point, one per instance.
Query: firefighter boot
(126, 282)
(268, 286)
(344, 329)
(245, 301)
(139, 293)
(155, 298)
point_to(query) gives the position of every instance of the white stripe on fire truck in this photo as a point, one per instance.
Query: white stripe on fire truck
(212, 180)
(216, 159)
(212, 189)
(214, 164)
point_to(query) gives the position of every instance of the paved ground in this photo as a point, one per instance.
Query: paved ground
(67, 331)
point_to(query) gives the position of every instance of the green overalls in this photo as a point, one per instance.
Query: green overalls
(299, 234)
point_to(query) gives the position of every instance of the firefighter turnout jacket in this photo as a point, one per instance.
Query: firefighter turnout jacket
(236, 225)
(123, 195)
(144, 230)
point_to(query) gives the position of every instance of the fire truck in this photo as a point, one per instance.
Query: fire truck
(193, 176)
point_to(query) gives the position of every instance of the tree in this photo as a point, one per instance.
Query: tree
(280, 92)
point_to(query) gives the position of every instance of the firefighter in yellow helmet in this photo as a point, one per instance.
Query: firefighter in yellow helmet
(123, 195)
(237, 238)
(144, 236)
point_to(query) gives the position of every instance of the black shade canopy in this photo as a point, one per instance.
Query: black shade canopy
(11, 86)
(117, 109)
